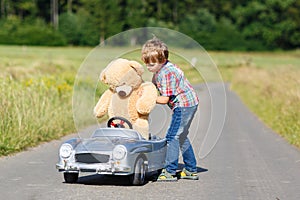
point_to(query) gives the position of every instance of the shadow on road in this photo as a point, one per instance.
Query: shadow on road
(199, 169)
(98, 179)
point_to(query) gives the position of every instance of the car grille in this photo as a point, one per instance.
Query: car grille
(91, 158)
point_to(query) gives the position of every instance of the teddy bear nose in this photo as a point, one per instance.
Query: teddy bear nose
(122, 93)
(123, 90)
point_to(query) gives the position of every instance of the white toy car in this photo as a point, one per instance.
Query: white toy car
(114, 150)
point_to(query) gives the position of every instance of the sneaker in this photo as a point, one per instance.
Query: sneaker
(185, 174)
(166, 176)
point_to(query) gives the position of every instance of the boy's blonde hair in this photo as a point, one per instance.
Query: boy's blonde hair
(154, 51)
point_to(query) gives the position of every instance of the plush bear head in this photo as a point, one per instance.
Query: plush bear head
(123, 76)
(128, 95)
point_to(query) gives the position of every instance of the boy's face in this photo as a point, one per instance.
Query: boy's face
(154, 67)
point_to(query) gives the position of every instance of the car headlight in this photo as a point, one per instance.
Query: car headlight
(65, 150)
(119, 152)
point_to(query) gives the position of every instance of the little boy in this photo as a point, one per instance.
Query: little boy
(177, 92)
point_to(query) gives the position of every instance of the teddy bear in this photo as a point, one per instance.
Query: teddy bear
(128, 95)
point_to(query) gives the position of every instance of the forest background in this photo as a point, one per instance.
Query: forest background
(215, 24)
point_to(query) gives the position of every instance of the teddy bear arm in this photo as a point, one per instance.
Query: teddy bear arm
(147, 100)
(102, 105)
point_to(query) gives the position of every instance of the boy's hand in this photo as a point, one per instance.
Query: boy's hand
(140, 92)
(162, 100)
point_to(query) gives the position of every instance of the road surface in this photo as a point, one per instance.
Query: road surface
(238, 158)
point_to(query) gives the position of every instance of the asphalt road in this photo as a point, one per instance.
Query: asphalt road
(238, 158)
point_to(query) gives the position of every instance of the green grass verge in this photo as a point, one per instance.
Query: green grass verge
(33, 111)
(274, 95)
(36, 94)
(269, 85)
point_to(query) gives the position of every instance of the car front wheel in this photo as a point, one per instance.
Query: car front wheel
(71, 177)
(139, 175)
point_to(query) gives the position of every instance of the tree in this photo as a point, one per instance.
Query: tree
(196, 24)
(269, 21)
(69, 8)
(107, 15)
(69, 27)
(272, 23)
(2, 8)
(54, 13)
(20, 8)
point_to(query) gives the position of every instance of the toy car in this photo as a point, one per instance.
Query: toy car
(115, 150)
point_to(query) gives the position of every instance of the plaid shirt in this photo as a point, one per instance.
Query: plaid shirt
(172, 83)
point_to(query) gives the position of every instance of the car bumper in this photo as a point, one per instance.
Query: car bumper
(111, 168)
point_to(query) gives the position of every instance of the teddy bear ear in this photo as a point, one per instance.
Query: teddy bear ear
(103, 76)
(137, 67)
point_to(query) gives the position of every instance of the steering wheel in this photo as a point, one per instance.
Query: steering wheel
(118, 122)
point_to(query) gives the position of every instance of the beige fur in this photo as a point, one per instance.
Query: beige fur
(135, 99)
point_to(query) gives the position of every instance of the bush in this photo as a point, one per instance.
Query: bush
(79, 28)
(33, 35)
(229, 39)
(68, 27)
(216, 35)
(29, 32)
(89, 32)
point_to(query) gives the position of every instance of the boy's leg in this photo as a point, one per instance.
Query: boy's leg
(185, 145)
(173, 142)
(189, 156)
(178, 130)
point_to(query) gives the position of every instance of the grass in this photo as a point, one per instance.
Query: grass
(33, 111)
(37, 84)
(274, 95)
(36, 94)
(269, 85)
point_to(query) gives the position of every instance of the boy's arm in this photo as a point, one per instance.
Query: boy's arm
(162, 100)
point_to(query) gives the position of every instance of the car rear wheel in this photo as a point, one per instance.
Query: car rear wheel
(71, 177)
(140, 169)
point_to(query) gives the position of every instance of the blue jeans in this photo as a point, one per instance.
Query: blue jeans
(177, 139)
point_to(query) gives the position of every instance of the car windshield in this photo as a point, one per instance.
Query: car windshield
(117, 133)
